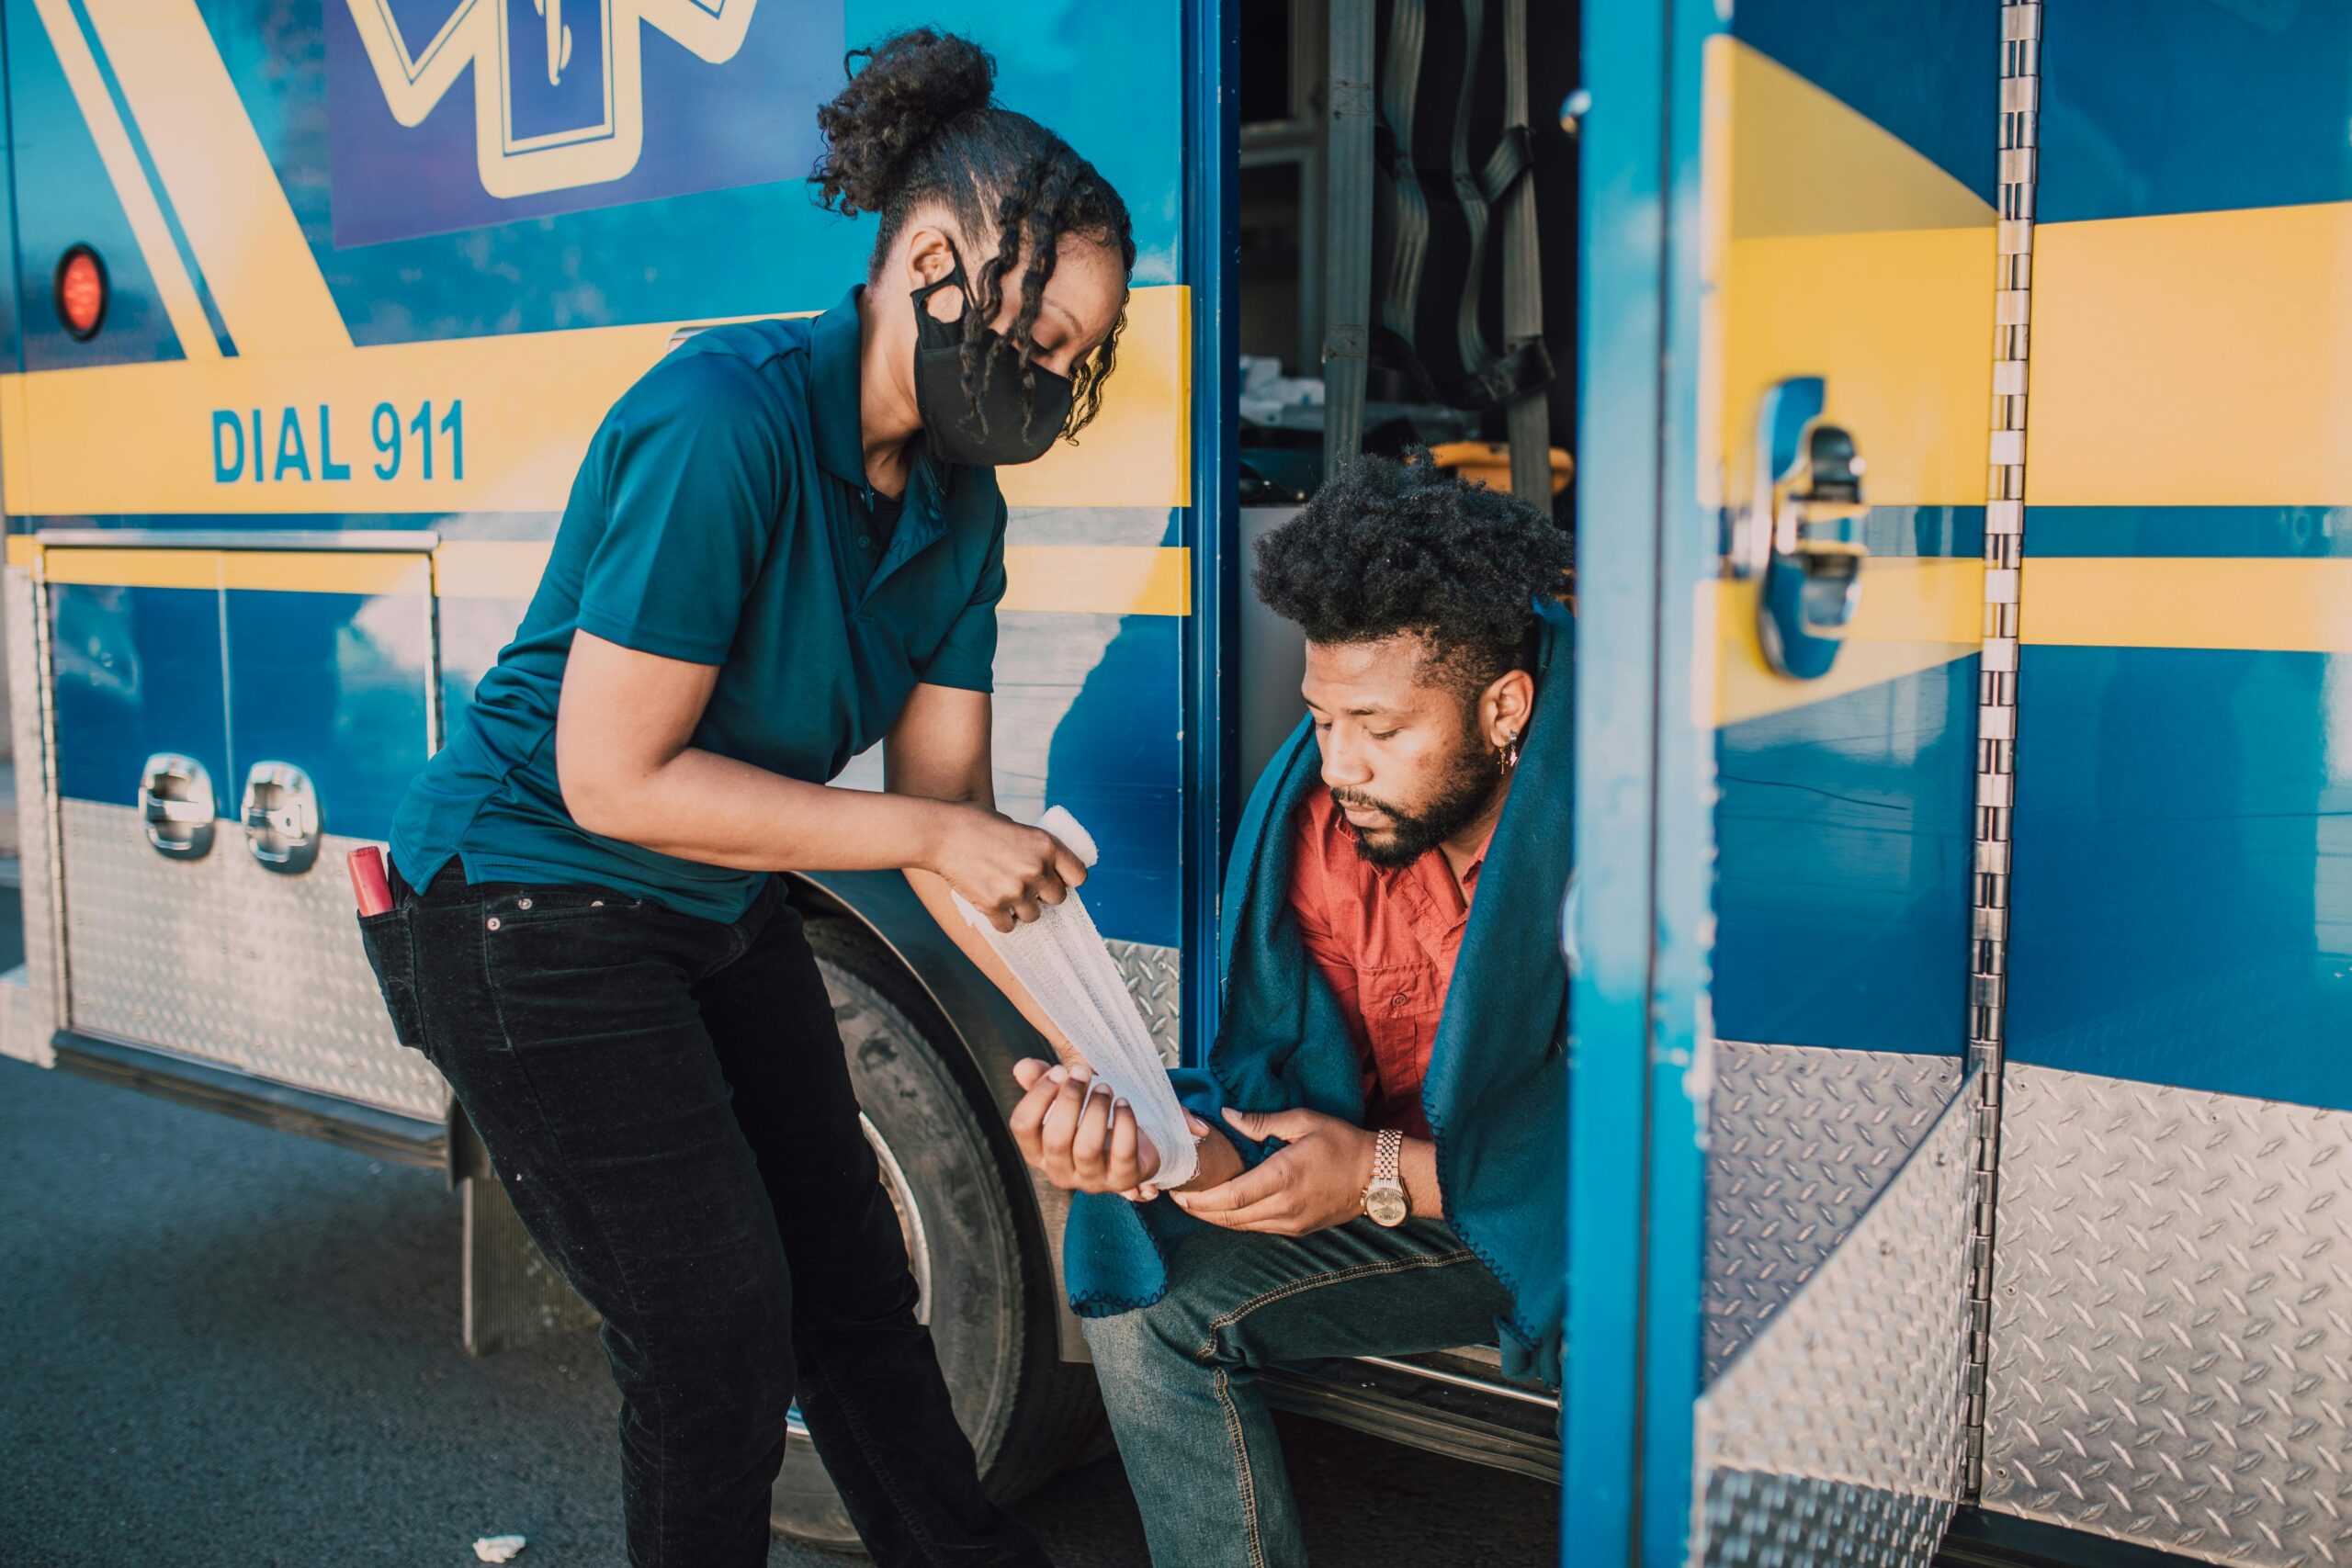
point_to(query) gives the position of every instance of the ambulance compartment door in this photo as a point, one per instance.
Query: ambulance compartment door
(234, 712)
(1774, 1127)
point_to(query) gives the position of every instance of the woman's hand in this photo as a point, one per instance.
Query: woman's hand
(1073, 1130)
(1007, 871)
(1313, 1182)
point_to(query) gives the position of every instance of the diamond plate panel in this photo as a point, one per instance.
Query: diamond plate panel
(2172, 1319)
(36, 828)
(1836, 1437)
(220, 959)
(1800, 1140)
(1155, 976)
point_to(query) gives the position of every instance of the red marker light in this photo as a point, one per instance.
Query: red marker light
(81, 292)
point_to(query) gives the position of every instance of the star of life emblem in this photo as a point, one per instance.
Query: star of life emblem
(559, 84)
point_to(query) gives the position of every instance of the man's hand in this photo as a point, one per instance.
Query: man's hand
(1313, 1182)
(1074, 1130)
(1218, 1161)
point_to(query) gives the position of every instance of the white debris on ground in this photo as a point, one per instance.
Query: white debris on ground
(498, 1547)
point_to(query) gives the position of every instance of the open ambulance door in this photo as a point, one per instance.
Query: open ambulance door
(1795, 680)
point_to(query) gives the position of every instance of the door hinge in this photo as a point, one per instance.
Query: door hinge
(1997, 703)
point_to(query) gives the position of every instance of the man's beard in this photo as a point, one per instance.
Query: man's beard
(1467, 789)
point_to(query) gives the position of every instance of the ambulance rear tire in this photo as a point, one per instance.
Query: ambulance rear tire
(960, 1190)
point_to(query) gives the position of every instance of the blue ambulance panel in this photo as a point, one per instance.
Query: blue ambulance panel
(2167, 1342)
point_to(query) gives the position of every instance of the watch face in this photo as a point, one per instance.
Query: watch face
(1387, 1206)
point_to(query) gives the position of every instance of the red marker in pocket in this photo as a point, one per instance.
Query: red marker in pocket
(368, 882)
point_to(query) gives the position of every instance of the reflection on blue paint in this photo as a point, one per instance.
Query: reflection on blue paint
(473, 633)
(2191, 106)
(331, 683)
(1922, 69)
(1942, 531)
(334, 683)
(1842, 880)
(137, 671)
(2182, 892)
(1115, 764)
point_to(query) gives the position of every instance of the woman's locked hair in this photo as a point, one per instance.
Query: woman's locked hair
(916, 127)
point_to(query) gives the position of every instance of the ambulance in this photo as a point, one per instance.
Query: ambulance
(1951, 400)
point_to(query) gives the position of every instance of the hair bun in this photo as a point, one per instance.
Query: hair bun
(912, 84)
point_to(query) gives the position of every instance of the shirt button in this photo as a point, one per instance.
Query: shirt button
(493, 922)
(865, 541)
(1397, 1000)
(521, 903)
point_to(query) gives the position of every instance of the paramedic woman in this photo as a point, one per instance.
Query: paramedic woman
(784, 544)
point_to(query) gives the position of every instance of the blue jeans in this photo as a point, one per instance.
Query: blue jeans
(1179, 1376)
(666, 1101)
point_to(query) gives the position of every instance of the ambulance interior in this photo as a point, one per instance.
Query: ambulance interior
(1441, 73)
(1415, 183)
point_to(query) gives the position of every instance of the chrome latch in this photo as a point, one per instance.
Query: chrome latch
(282, 815)
(176, 805)
(1798, 530)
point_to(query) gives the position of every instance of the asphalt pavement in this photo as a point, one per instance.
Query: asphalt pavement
(221, 1344)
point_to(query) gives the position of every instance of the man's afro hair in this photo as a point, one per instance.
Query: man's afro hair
(1385, 548)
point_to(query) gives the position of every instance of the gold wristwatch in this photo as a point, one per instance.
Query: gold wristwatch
(1385, 1199)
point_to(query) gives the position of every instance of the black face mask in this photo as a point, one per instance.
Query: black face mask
(1005, 428)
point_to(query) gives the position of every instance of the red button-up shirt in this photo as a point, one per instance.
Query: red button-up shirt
(1387, 942)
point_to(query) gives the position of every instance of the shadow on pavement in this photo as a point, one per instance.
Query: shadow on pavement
(224, 1345)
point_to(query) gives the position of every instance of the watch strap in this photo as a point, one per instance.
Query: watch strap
(1385, 1180)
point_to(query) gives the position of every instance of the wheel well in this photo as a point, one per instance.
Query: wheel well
(986, 1046)
(982, 1047)
(893, 946)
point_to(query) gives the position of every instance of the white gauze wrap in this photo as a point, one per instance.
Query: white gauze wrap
(1059, 956)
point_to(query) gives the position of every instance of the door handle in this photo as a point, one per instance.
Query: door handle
(281, 816)
(176, 805)
(1798, 530)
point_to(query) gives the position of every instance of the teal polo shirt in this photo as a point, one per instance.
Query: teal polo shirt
(721, 516)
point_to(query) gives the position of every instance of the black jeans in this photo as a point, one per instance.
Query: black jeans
(665, 1100)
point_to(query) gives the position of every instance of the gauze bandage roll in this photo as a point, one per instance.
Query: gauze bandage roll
(1059, 956)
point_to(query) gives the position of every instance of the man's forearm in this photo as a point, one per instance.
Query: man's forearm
(1219, 1162)
(1417, 1168)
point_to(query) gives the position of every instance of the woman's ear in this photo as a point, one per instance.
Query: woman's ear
(928, 259)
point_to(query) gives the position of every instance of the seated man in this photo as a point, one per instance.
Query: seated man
(1382, 1149)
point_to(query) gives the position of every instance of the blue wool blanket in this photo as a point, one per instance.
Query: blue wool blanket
(1497, 1090)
